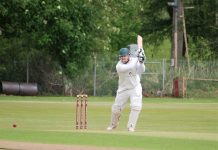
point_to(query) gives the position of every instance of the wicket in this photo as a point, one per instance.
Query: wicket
(81, 111)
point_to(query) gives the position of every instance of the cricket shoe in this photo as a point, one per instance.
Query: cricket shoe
(131, 129)
(111, 127)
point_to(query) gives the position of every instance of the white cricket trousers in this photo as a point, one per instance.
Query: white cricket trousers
(135, 96)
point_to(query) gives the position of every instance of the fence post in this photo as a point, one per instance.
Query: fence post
(94, 76)
(163, 73)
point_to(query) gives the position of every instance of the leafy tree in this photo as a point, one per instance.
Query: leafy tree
(200, 22)
(60, 27)
(67, 34)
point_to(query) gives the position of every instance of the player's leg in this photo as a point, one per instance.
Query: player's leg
(115, 117)
(136, 106)
(119, 104)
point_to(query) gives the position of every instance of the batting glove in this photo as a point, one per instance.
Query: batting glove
(141, 56)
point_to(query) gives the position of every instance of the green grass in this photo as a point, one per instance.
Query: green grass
(109, 140)
(164, 123)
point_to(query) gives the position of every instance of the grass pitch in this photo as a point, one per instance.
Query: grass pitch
(164, 124)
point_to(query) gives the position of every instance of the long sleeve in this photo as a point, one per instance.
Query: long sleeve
(140, 68)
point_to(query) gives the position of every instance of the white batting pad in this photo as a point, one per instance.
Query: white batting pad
(133, 117)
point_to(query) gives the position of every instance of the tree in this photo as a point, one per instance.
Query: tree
(201, 22)
(68, 33)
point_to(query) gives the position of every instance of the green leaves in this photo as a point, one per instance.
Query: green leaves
(68, 32)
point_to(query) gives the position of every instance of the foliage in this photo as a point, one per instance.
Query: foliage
(13, 58)
(156, 18)
(202, 28)
(200, 23)
(204, 52)
(61, 28)
(53, 36)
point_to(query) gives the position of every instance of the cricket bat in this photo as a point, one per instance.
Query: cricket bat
(139, 42)
(141, 53)
(136, 48)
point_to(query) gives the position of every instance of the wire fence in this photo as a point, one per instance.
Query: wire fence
(158, 80)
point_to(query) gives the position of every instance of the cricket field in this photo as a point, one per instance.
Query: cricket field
(164, 123)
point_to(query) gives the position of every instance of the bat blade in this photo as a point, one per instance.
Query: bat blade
(139, 42)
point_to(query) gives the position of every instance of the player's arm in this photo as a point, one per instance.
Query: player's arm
(140, 67)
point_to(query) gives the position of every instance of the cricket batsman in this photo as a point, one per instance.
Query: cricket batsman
(129, 70)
